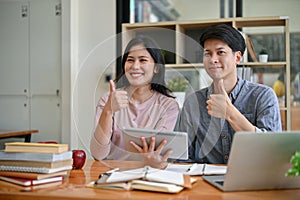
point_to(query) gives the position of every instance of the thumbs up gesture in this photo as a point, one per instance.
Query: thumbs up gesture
(118, 99)
(218, 104)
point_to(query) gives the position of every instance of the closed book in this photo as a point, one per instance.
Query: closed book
(35, 147)
(46, 157)
(51, 185)
(31, 175)
(56, 164)
(42, 170)
(30, 182)
(251, 49)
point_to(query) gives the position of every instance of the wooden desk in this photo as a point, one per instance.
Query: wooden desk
(26, 134)
(74, 188)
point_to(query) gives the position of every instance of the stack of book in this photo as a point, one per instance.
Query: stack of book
(29, 164)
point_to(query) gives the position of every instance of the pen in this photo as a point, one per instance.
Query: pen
(203, 169)
(109, 172)
(112, 171)
(146, 170)
(192, 167)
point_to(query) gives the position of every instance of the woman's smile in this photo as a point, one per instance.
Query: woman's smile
(136, 74)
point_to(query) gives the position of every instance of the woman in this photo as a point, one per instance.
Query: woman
(140, 100)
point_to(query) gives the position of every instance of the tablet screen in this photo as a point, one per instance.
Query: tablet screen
(177, 141)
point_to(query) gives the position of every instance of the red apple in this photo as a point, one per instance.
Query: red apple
(79, 158)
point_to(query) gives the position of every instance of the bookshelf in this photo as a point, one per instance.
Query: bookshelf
(180, 39)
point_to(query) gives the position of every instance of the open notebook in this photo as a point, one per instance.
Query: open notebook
(146, 178)
(259, 161)
(197, 169)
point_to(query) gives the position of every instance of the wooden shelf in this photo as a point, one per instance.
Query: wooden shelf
(185, 66)
(181, 40)
(268, 64)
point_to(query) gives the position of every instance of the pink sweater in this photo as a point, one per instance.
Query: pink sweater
(159, 112)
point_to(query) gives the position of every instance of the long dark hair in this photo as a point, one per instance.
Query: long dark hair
(158, 80)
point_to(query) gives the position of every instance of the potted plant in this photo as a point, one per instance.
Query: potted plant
(178, 85)
(295, 161)
(263, 55)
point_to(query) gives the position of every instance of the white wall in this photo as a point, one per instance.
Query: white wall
(202, 9)
(197, 9)
(252, 8)
(92, 52)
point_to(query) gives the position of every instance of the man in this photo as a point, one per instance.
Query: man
(212, 115)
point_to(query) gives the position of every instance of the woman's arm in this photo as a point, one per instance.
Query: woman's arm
(104, 118)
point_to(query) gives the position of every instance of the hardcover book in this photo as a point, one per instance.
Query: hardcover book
(30, 182)
(31, 175)
(35, 147)
(250, 48)
(56, 164)
(45, 157)
(51, 185)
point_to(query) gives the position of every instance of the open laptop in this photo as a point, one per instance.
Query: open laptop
(259, 161)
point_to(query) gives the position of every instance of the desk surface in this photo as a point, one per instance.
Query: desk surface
(15, 133)
(74, 188)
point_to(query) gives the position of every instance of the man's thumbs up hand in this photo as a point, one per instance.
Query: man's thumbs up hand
(221, 88)
(217, 104)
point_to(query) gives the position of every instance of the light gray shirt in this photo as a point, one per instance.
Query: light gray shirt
(210, 138)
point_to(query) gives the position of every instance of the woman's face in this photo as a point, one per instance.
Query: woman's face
(139, 66)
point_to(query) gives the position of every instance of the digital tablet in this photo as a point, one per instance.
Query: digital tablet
(177, 141)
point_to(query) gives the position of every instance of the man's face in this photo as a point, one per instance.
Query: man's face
(219, 60)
